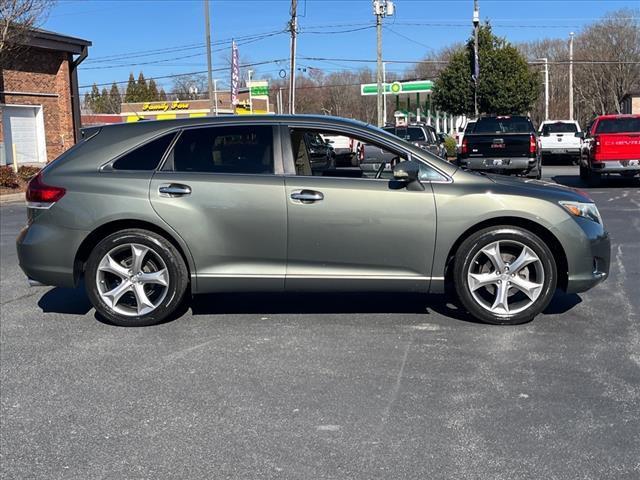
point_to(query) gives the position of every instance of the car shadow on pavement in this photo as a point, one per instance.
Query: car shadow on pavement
(72, 301)
(326, 303)
(611, 182)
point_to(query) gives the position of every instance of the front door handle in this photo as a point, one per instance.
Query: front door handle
(307, 196)
(174, 190)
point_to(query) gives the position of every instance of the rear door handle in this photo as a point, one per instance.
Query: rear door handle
(307, 196)
(174, 190)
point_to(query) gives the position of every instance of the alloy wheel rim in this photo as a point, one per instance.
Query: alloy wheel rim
(505, 277)
(132, 279)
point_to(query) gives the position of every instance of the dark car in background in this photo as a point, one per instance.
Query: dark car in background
(502, 144)
(148, 213)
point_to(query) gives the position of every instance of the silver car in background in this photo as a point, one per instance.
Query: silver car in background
(152, 212)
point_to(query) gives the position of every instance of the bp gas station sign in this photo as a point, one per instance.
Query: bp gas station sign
(398, 88)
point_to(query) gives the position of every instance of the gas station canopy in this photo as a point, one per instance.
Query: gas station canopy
(397, 88)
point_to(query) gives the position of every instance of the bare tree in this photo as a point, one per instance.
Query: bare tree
(17, 17)
(184, 87)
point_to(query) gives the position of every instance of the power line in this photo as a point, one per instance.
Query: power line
(153, 62)
(189, 46)
(222, 69)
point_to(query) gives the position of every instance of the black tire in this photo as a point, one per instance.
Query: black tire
(483, 238)
(178, 277)
(585, 173)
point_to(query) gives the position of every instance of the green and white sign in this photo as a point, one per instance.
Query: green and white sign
(259, 89)
(397, 88)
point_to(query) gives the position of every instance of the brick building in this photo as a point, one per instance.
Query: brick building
(630, 103)
(39, 100)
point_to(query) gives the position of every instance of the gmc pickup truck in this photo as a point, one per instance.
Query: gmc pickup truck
(502, 144)
(612, 146)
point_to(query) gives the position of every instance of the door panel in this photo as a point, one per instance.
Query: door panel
(360, 234)
(234, 225)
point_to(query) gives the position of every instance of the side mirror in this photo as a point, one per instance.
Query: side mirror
(408, 173)
(579, 134)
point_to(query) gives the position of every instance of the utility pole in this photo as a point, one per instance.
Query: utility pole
(381, 8)
(208, 40)
(476, 63)
(546, 87)
(571, 76)
(293, 28)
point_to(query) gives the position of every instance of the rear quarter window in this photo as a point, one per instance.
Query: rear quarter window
(145, 157)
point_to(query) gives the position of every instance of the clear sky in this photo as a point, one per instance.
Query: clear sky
(123, 32)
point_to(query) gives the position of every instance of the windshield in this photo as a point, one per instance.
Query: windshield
(618, 125)
(470, 126)
(413, 134)
(559, 127)
(503, 125)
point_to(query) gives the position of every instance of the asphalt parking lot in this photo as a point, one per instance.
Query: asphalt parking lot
(341, 386)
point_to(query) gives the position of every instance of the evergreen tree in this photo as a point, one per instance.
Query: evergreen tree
(506, 85)
(162, 96)
(142, 89)
(131, 94)
(152, 91)
(115, 99)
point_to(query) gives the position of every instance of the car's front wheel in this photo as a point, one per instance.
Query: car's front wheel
(504, 275)
(135, 278)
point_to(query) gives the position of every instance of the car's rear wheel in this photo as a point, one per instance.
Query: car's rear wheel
(504, 275)
(135, 278)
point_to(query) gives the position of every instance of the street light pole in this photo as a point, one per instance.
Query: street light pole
(571, 76)
(207, 27)
(293, 28)
(384, 99)
(249, 72)
(215, 94)
(476, 68)
(546, 87)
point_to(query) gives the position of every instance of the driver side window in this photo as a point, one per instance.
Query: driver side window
(334, 154)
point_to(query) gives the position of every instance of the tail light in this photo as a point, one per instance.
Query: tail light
(532, 144)
(41, 195)
(351, 144)
(361, 152)
(597, 147)
(465, 146)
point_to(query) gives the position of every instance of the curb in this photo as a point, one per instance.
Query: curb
(12, 198)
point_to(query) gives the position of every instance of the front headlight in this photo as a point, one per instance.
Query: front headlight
(585, 210)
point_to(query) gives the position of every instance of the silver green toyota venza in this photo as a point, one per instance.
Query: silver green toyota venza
(150, 212)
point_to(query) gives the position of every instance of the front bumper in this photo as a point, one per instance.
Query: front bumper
(617, 166)
(588, 250)
(521, 164)
(46, 253)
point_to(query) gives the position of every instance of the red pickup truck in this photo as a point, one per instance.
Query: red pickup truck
(612, 146)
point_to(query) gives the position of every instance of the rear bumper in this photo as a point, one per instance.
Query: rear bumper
(499, 163)
(46, 253)
(617, 166)
(560, 151)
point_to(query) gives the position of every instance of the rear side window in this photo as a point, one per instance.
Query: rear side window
(559, 127)
(618, 125)
(146, 157)
(238, 149)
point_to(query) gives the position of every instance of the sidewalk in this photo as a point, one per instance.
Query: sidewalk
(12, 198)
